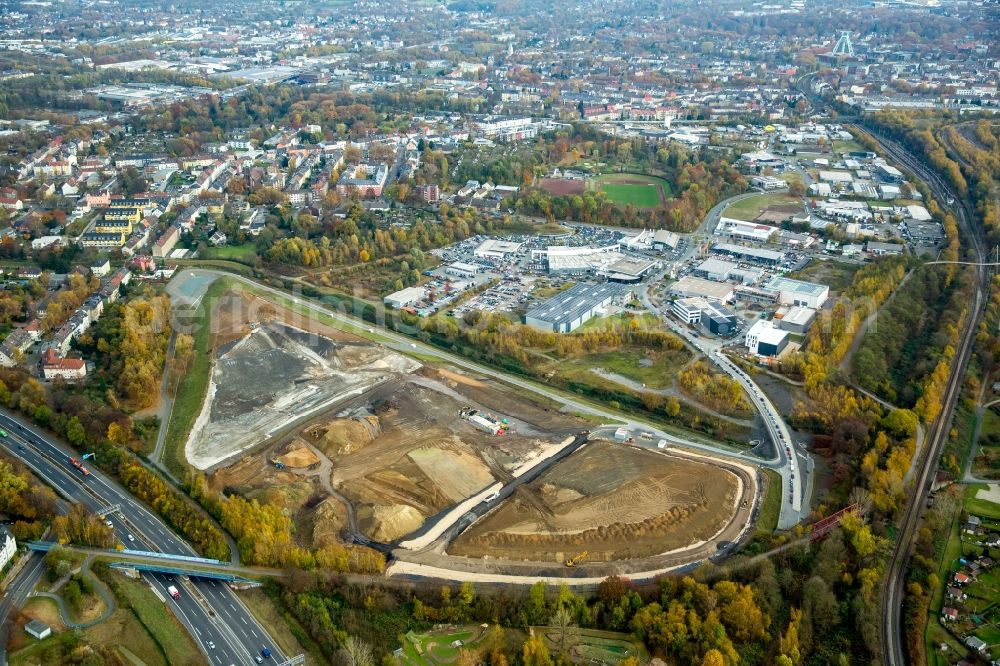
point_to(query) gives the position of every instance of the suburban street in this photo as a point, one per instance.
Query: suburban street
(221, 620)
(791, 461)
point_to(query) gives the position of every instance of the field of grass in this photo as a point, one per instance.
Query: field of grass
(640, 196)
(171, 638)
(245, 253)
(835, 274)
(749, 208)
(770, 508)
(592, 646)
(987, 462)
(847, 146)
(657, 375)
(193, 385)
(637, 190)
(980, 507)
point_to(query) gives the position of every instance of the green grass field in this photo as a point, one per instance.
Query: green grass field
(246, 252)
(770, 509)
(749, 208)
(193, 385)
(640, 196)
(637, 190)
(168, 634)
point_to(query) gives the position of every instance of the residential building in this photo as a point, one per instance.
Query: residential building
(8, 546)
(69, 369)
(365, 179)
(166, 242)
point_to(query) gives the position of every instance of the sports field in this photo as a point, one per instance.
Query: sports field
(629, 188)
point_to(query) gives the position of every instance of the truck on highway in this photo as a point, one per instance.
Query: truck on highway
(79, 465)
(173, 592)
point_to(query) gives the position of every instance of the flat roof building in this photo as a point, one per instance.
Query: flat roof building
(754, 254)
(496, 249)
(572, 308)
(403, 297)
(462, 269)
(797, 319)
(694, 286)
(715, 269)
(626, 270)
(764, 339)
(797, 292)
(750, 231)
(718, 319)
(689, 309)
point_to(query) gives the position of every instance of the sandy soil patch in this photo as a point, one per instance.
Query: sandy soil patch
(990, 493)
(614, 502)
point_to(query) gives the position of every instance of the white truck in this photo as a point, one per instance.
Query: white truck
(172, 591)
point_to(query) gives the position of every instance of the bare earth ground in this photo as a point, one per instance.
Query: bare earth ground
(398, 454)
(268, 374)
(612, 501)
(562, 187)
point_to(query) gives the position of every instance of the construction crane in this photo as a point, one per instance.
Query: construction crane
(576, 560)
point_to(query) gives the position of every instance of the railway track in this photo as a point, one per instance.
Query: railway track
(893, 653)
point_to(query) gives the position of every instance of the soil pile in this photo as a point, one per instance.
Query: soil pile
(341, 437)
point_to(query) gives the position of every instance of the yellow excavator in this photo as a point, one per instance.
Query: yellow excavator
(576, 560)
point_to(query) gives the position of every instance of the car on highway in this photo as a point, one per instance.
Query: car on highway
(131, 538)
(3, 433)
(211, 645)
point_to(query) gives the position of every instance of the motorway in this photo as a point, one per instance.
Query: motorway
(223, 628)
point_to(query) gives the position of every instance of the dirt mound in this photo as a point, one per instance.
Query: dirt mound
(299, 458)
(341, 437)
(329, 518)
(290, 496)
(615, 502)
(388, 522)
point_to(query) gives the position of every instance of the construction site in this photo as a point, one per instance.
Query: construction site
(269, 374)
(608, 502)
(356, 442)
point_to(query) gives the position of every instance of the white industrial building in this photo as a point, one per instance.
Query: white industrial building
(796, 319)
(750, 231)
(694, 286)
(746, 253)
(462, 269)
(404, 297)
(496, 249)
(797, 292)
(574, 307)
(765, 339)
(688, 310)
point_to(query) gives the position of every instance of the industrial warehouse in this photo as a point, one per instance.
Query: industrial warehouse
(576, 306)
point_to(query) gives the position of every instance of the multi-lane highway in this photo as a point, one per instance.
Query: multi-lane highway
(221, 625)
